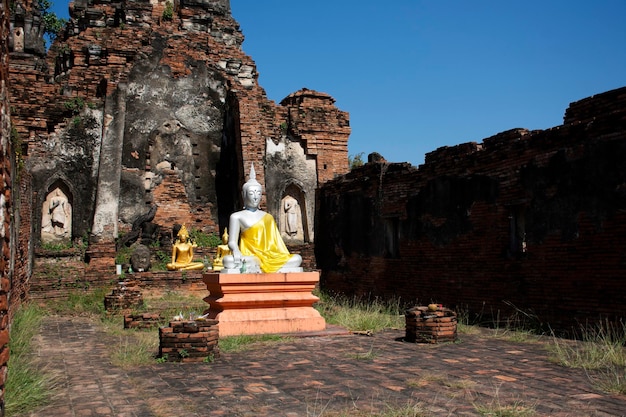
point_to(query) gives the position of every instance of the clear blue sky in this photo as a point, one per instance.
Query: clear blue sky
(416, 75)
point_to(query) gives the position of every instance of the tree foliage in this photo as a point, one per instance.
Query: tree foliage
(51, 22)
(355, 161)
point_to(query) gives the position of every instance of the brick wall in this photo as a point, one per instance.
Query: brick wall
(528, 220)
(101, 47)
(322, 127)
(6, 225)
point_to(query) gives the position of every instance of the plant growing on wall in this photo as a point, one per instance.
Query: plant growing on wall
(123, 255)
(51, 22)
(204, 240)
(75, 105)
(168, 13)
(356, 161)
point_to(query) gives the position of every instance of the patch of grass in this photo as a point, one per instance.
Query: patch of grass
(496, 409)
(601, 352)
(609, 379)
(135, 348)
(28, 386)
(361, 315)
(173, 303)
(411, 409)
(463, 324)
(517, 336)
(243, 342)
(89, 303)
(601, 346)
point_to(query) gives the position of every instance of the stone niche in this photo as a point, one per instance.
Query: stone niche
(291, 180)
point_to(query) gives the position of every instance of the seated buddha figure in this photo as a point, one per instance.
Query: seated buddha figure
(222, 250)
(182, 253)
(255, 240)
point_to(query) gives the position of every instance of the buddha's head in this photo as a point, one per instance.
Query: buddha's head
(183, 234)
(252, 191)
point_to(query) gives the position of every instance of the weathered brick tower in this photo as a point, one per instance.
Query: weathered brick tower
(143, 104)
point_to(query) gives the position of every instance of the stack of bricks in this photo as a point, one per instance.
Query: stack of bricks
(189, 341)
(126, 295)
(142, 321)
(425, 325)
(101, 260)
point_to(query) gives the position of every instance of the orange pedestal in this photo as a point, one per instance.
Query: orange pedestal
(263, 303)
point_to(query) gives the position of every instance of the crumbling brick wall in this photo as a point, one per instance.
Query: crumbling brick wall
(79, 105)
(7, 162)
(92, 77)
(528, 220)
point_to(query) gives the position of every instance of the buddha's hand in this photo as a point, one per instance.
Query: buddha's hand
(237, 256)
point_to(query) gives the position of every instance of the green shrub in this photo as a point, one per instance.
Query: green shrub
(204, 240)
(161, 261)
(123, 255)
(75, 105)
(168, 13)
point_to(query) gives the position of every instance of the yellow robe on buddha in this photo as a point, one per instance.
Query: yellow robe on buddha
(263, 240)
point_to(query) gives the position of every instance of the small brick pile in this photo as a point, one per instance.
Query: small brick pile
(142, 321)
(189, 341)
(426, 326)
(126, 295)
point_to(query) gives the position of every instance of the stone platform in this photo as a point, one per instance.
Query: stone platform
(247, 304)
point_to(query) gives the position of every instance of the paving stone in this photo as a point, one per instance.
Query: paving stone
(315, 375)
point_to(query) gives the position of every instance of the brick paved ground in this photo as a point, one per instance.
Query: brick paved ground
(318, 376)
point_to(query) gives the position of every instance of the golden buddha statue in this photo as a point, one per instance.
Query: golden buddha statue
(182, 253)
(222, 250)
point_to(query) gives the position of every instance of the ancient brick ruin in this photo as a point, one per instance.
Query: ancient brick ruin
(139, 106)
(526, 222)
(133, 108)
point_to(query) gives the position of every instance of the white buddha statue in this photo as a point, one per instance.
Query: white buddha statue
(254, 238)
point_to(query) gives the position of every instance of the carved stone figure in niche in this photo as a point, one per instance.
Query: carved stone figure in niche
(291, 220)
(56, 217)
(255, 240)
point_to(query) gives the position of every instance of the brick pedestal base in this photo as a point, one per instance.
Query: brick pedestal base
(426, 326)
(263, 303)
(189, 341)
